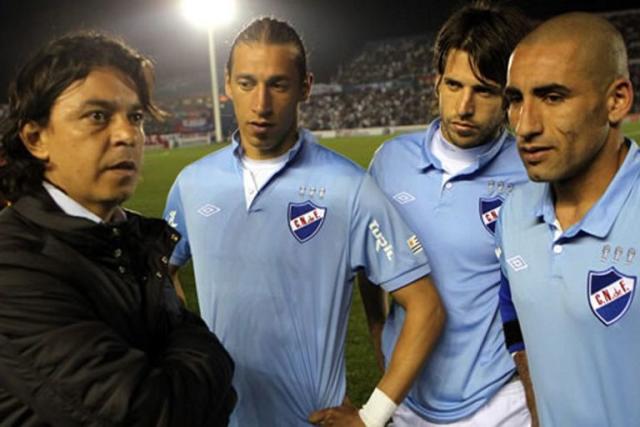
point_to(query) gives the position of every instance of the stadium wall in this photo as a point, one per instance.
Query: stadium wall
(374, 131)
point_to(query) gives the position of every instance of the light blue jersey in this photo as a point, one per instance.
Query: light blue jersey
(574, 295)
(456, 221)
(274, 281)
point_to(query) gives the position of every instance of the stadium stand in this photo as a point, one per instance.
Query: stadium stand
(389, 104)
(634, 69)
(627, 21)
(388, 60)
(390, 82)
(387, 83)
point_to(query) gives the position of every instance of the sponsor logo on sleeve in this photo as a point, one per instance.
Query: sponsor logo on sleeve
(305, 220)
(610, 294)
(171, 219)
(489, 212)
(382, 244)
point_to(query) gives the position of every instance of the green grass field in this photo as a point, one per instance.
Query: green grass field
(632, 130)
(161, 168)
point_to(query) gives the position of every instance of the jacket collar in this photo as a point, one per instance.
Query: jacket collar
(39, 208)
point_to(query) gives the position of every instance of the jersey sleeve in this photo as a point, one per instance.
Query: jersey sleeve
(510, 323)
(382, 243)
(374, 167)
(174, 215)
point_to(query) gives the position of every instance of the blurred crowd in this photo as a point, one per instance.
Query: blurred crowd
(628, 22)
(390, 82)
(388, 60)
(394, 104)
(387, 83)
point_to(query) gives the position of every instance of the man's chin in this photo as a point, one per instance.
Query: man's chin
(257, 136)
(537, 174)
(119, 197)
(467, 141)
(460, 138)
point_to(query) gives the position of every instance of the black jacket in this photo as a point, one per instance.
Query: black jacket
(91, 332)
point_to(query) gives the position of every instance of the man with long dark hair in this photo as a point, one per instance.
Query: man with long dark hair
(91, 331)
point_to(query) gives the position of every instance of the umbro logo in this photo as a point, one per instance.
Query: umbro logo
(403, 198)
(517, 263)
(208, 210)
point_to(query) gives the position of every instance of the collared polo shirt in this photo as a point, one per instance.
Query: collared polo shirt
(455, 220)
(574, 294)
(274, 280)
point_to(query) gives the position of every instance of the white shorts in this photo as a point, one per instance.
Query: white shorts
(508, 408)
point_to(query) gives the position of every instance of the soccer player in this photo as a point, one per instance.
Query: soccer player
(568, 242)
(277, 226)
(449, 183)
(91, 331)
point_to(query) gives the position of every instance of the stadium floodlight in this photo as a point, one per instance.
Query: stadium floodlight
(211, 14)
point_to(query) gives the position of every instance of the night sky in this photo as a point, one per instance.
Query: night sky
(333, 30)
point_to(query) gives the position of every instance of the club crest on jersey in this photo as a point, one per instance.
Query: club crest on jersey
(489, 211)
(305, 219)
(610, 294)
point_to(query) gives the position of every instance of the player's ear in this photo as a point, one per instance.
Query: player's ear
(306, 86)
(32, 136)
(619, 100)
(227, 85)
(436, 85)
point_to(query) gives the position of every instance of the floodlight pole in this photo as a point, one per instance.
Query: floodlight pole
(214, 85)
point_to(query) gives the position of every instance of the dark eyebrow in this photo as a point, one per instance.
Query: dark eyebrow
(271, 80)
(542, 91)
(482, 85)
(278, 79)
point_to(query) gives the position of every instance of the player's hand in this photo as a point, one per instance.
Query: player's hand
(345, 415)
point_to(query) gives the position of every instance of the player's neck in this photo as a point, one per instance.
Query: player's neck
(574, 197)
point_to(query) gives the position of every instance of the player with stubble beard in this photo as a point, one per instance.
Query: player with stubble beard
(569, 241)
(449, 183)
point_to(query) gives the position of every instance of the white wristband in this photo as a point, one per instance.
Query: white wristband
(378, 409)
